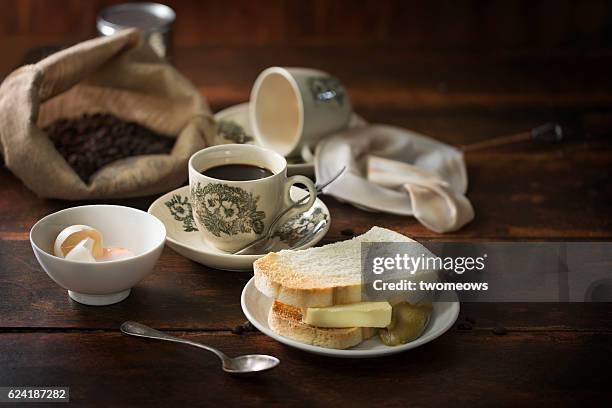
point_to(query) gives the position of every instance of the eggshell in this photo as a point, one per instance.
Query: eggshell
(82, 251)
(70, 236)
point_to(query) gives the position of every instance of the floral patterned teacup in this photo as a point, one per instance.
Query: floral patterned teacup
(292, 108)
(230, 214)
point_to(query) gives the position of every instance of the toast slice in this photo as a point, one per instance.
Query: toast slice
(318, 277)
(287, 321)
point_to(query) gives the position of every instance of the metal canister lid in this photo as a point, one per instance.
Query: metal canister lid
(145, 16)
(154, 19)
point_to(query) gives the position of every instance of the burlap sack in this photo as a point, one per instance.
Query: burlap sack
(117, 75)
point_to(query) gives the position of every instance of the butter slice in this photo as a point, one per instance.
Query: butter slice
(364, 314)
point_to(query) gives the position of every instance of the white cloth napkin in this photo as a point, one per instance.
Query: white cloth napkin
(398, 171)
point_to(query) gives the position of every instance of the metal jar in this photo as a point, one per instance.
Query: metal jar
(154, 19)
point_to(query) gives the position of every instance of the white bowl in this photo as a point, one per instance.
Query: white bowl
(101, 283)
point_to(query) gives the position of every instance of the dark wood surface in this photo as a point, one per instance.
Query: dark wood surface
(553, 354)
(441, 25)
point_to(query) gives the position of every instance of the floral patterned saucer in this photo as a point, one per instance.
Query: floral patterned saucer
(173, 209)
(233, 126)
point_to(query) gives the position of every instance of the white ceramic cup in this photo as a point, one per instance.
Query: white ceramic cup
(292, 108)
(231, 214)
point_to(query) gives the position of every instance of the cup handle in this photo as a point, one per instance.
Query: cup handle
(288, 202)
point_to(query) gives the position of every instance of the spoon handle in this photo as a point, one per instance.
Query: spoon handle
(547, 133)
(140, 330)
(266, 234)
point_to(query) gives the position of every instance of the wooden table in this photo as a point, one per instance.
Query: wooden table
(553, 354)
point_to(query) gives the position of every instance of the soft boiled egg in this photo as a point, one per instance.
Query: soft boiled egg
(114, 254)
(84, 243)
(73, 235)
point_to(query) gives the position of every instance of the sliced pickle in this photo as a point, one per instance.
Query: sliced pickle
(407, 323)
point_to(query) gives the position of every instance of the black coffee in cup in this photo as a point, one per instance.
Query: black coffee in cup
(237, 172)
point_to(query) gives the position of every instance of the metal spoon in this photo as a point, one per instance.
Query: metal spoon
(306, 238)
(546, 133)
(250, 363)
(270, 230)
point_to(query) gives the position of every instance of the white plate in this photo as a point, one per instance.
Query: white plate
(174, 211)
(256, 307)
(234, 126)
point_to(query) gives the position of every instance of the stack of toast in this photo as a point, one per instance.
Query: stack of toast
(318, 297)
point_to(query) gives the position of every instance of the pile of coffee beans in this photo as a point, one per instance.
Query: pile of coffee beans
(92, 141)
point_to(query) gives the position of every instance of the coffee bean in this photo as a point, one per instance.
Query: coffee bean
(464, 326)
(101, 132)
(499, 330)
(348, 232)
(81, 127)
(248, 326)
(237, 330)
(92, 141)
